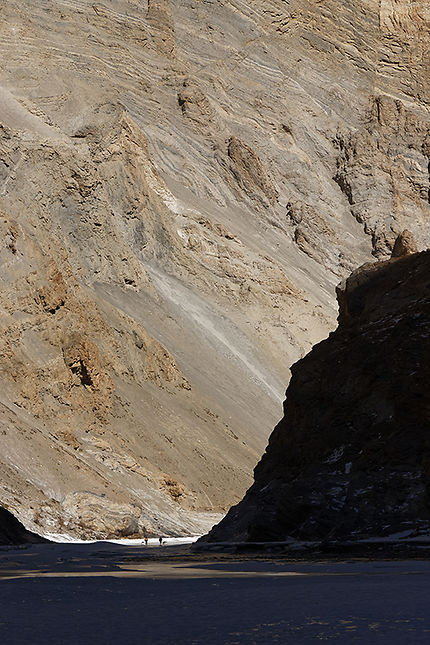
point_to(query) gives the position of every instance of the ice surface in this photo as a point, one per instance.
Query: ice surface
(103, 594)
(63, 538)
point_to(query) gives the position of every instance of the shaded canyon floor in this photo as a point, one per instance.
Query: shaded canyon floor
(105, 593)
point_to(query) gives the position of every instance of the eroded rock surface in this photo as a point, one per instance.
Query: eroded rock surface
(13, 532)
(350, 459)
(182, 185)
(404, 245)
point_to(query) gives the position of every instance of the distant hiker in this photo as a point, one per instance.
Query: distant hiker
(146, 540)
(160, 539)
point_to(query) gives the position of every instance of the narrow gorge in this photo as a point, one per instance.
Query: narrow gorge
(183, 184)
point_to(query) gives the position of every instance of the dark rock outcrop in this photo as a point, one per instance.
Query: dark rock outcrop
(350, 460)
(13, 532)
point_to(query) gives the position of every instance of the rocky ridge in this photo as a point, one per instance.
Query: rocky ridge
(182, 185)
(350, 458)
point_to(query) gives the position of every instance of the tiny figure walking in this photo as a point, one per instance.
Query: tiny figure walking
(160, 539)
(146, 540)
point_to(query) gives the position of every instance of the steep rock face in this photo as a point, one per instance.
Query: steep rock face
(350, 459)
(182, 185)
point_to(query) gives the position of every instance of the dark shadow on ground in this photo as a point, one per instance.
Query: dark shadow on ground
(92, 604)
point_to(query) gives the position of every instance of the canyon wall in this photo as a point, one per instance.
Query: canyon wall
(182, 186)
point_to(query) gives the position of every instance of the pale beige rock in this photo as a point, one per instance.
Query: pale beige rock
(404, 245)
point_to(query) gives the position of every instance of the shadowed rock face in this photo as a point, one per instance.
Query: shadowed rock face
(13, 532)
(351, 457)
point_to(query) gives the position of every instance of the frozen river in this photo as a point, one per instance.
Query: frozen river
(106, 594)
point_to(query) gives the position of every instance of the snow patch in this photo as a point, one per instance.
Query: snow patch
(335, 455)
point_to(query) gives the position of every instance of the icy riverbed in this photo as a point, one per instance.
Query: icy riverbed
(61, 538)
(101, 593)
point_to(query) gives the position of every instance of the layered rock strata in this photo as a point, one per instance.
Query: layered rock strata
(350, 460)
